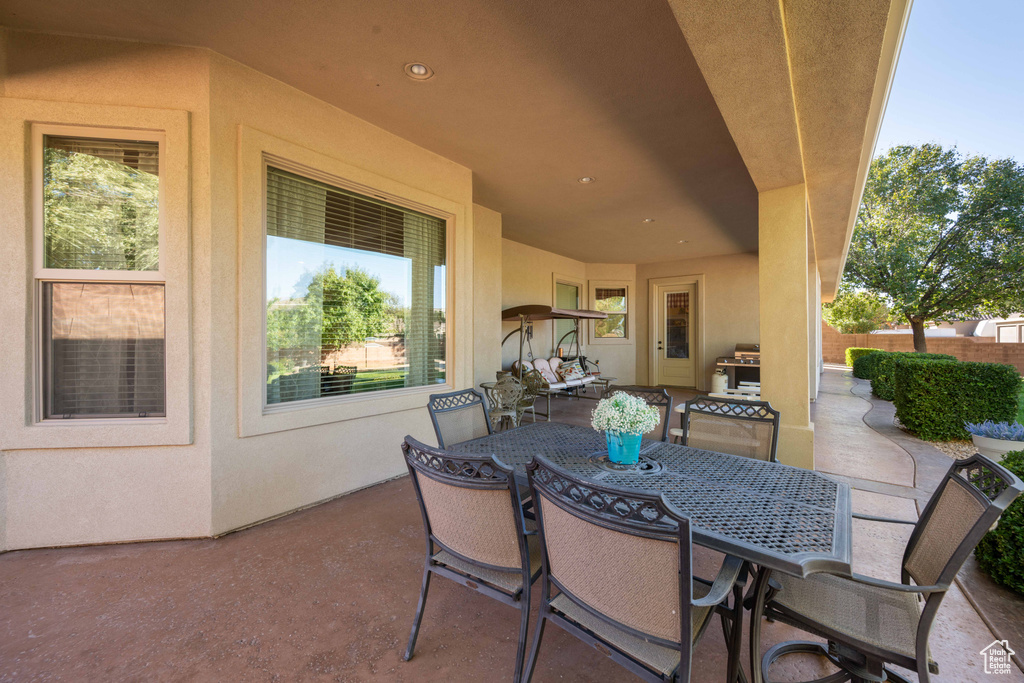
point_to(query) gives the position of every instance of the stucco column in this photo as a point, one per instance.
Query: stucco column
(785, 347)
(814, 327)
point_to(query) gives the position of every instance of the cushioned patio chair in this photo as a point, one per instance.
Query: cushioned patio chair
(869, 623)
(617, 575)
(459, 416)
(654, 396)
(746, 428)
(475, 529)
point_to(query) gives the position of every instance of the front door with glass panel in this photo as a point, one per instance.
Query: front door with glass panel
(675, 338)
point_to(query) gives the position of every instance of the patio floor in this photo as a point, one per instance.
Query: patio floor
(329, 593)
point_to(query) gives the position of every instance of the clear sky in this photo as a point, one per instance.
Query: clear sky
(960, 79)
(291, 263)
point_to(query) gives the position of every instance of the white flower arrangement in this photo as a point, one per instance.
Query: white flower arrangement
(626, 414)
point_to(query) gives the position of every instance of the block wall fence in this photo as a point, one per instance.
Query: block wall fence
(971, 349)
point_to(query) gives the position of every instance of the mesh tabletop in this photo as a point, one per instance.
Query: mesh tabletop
(786, 518)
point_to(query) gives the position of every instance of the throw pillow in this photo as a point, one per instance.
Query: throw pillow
(571, 370)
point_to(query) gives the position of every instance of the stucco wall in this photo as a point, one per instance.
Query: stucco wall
(60, 496)
(261, 476)
(527, 277)
(486, 293)
(617, 357)
(730, 300)
(969, 349)
(219, 481)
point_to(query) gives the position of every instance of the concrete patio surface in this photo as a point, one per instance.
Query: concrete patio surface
(328, 593)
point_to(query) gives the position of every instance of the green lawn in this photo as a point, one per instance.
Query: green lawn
(1020, 405)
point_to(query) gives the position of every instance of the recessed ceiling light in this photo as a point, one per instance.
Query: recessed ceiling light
(586, 179)
(418, 71)
(683, 241)
(648, 220)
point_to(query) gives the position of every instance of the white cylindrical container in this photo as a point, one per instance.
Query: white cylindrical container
(995, 448)
(719, 383)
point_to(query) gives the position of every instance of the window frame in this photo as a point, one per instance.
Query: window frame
(254, 419)
(43, 275)
(39, 131)
(581, 294)
(19, 427)
(271, 160)
(629, 317)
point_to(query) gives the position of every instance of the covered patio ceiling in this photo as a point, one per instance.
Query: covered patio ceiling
(683, 110)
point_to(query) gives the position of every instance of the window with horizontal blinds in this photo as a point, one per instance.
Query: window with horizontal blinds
(611, 300)
(100, 204)
(355, 292)
(104, 353)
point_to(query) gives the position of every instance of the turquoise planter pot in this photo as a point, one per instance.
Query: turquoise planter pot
(623, 449)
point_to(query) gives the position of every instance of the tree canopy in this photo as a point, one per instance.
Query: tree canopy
(854, 312)
(940, 236)
(337, 309)
(98, 213)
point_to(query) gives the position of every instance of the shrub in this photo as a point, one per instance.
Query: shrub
(1001, 551)
(854, 352)
(883, 383)
(866, 367)
(934, 398)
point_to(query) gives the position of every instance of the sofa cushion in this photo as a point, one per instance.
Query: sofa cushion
(544, 368)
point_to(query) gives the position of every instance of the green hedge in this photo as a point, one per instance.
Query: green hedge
(935, 397)
(1001, 552)
(866, 366)
(854, 352)
(883, 383)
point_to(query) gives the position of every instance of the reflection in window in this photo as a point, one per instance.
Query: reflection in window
(100, 204)
(355, 292)
(103, 350)
(610, 300)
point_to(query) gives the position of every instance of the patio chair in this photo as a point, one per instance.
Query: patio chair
(619, 560)
(476, 532)
(533, 385)
(459, 416)
(746, 428)
(869, 623)
(504, 397)
(653, 395)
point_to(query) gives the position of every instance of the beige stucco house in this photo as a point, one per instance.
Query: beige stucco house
(442, 147)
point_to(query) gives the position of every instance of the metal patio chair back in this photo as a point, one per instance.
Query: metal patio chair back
(655, 396)
(619, 560)
(459, 416)
(475, 530)
(746, 428)
(869, 622)
(504, 397)
(533, 384)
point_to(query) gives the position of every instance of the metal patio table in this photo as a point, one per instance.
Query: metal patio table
(776, 516)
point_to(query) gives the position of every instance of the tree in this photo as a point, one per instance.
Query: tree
(856, 312)
(98, 213)
(940, 236)
(336, 310)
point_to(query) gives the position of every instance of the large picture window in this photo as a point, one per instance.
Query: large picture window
(99, 281)
(355, 292)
